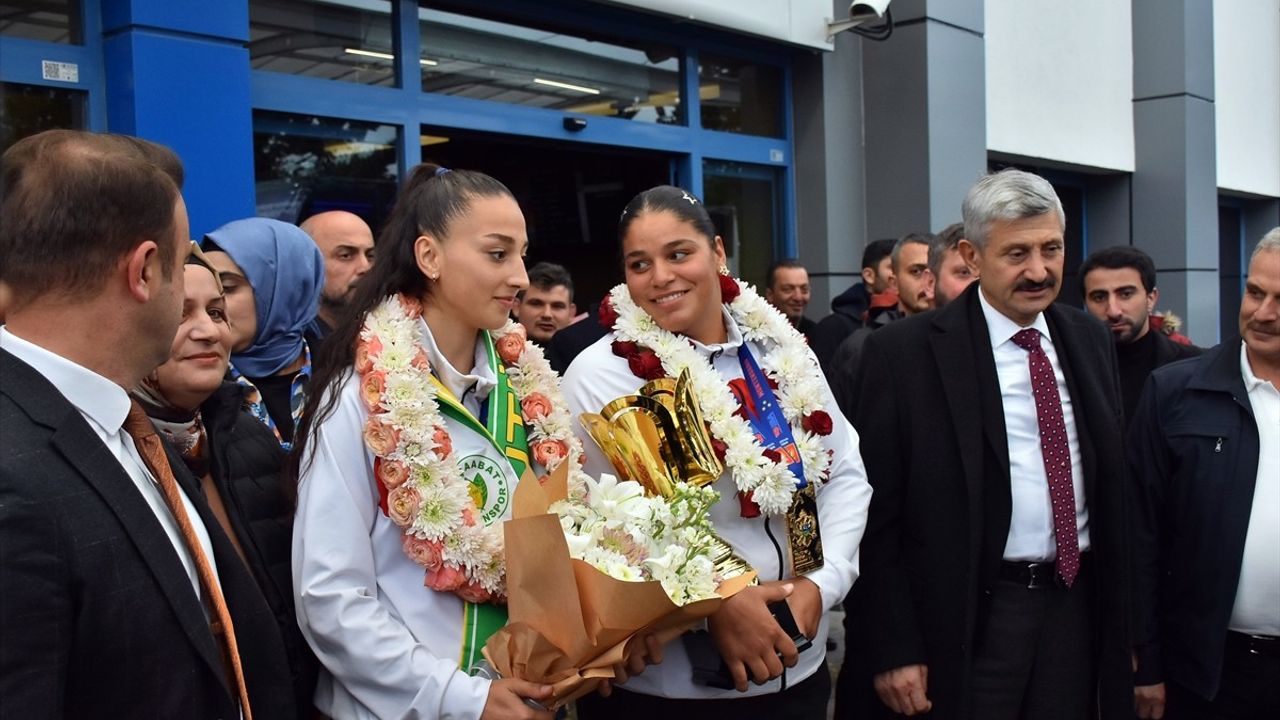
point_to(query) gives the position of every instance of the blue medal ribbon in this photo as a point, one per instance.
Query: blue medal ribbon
(772, 430)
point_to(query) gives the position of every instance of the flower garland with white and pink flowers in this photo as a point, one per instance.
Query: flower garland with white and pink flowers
(761, 475)
(420, 486)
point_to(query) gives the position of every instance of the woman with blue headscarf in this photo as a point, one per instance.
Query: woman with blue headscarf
(272, 273)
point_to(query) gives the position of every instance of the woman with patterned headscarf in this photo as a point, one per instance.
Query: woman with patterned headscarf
(236, 460)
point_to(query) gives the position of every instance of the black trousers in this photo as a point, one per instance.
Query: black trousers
(1250, 689)
(1034, 659)
(806, 700)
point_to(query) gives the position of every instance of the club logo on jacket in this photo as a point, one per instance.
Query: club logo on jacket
(490, 490)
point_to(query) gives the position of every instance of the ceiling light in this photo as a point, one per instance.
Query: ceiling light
(567, 86)
(384, 56)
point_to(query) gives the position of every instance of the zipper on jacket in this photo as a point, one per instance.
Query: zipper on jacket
(1218, 448)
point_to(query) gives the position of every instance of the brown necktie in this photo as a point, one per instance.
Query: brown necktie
(149, 445)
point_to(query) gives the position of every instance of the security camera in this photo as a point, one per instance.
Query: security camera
(867, 8)
(868, 18)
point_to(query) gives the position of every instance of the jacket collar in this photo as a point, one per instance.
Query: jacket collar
(1220, 370)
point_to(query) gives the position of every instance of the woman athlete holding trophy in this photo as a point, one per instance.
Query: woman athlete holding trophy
(793, 492)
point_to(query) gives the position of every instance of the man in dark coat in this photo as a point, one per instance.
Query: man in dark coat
(849, 308)
(110, 571)
(1204, 453)
(994, 565)
(1119, 287)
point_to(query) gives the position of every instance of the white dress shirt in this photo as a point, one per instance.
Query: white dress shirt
(104, 405)
(1257, 605)
(1031, 536)
(390, 647)
(597, 376)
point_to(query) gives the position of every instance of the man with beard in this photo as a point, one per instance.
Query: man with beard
(787, 288)
(909, 262)
(951, 274)
(849, 308)
(346, 242)
(1204, 453)
(994, 565)
(1119, 285)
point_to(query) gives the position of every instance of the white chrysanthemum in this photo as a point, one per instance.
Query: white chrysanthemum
(439, 512)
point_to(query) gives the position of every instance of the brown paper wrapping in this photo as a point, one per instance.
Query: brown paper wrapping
(569, 623)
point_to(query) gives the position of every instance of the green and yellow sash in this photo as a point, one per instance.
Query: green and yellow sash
(504, 428)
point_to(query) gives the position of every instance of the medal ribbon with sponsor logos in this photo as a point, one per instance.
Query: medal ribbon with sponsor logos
(501, 425)
(804, 537)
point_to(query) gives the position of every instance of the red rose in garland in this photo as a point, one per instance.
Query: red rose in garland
(645, 364)
(817, 422)
(624, 349)
(607, 315)
(729, 289)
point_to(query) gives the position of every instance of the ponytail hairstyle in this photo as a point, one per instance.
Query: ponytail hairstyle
(431, 199)
(666, 198)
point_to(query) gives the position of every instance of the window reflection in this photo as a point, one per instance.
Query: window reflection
(742, 201)
(549, 67)
(29, 109)
(331, 39)
(55, 21)
(305, 165)
(740, 96)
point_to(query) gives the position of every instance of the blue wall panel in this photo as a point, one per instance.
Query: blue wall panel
(193, 95)
(221, 18)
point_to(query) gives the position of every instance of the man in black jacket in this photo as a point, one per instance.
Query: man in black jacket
(112, 566)
(1119, 286)
(994, 564)
(1204, 453)
(849, 309)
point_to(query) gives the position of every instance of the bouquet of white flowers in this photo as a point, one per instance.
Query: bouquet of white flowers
(590, 569)
(615, 528)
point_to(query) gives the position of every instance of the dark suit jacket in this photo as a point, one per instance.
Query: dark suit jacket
(933, 439)
(98, 618)
(1193, 455)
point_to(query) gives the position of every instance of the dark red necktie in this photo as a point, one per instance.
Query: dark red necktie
(1056, 453)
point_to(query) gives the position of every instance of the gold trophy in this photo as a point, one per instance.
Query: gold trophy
(657, 438)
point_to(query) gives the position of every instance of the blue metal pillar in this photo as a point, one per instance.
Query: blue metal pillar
(178, 73)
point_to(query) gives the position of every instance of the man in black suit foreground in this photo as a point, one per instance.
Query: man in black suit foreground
(1204, 452)
(993, 565)
(117, 585)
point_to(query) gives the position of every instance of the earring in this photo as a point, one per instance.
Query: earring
(724, 270)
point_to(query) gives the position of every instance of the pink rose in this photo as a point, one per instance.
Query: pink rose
(402, 505)
(372, 385)
(474, 592)
(535, 406)
(468, 517)
(365, 354)
(412, 306)
(381, 438)
(423, 552)
(549, 452)
(420, 361)
(446, 578)
(510, 346)
(390, 473)
(444, 444)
